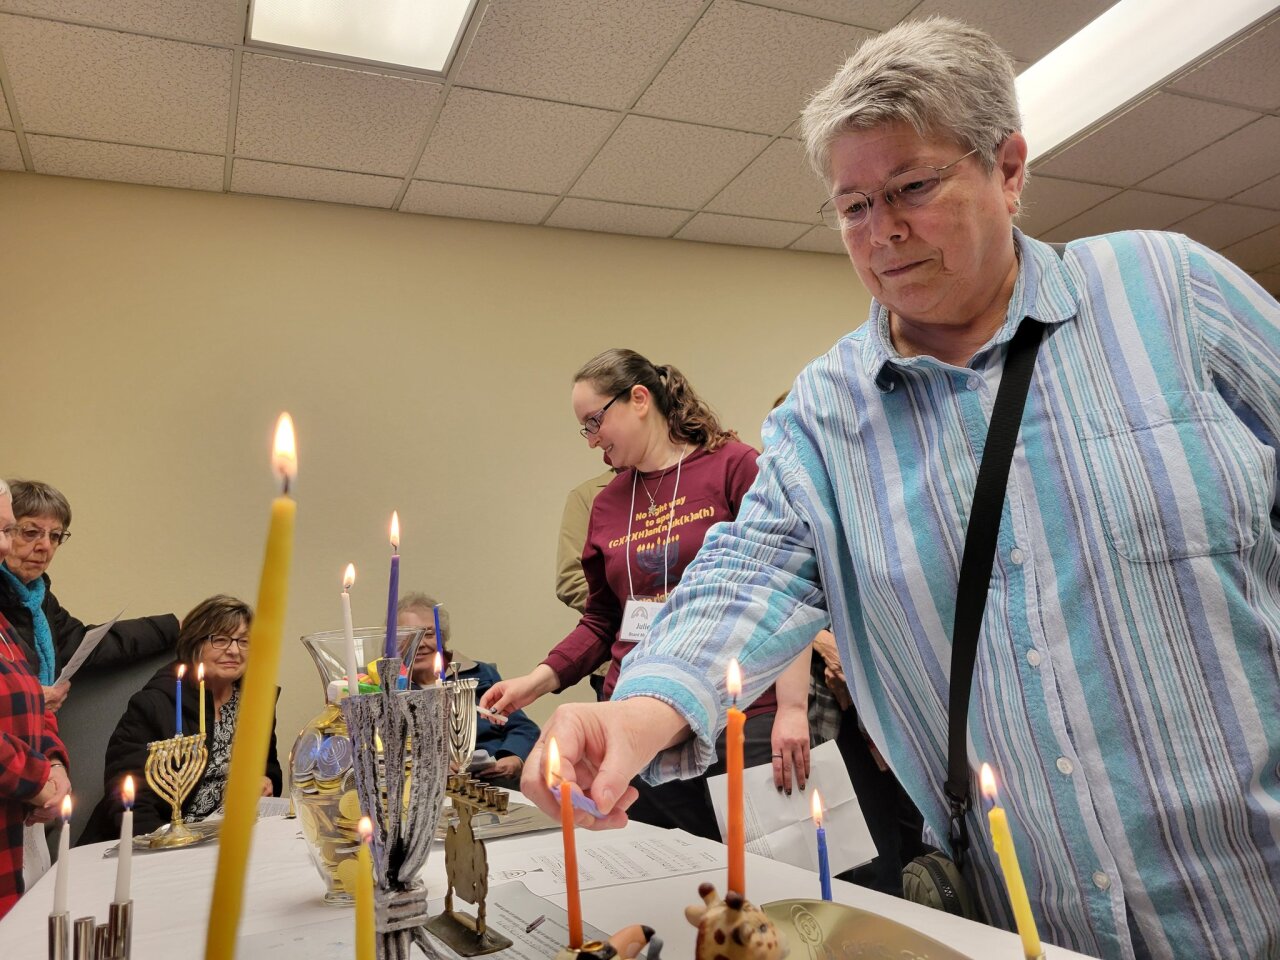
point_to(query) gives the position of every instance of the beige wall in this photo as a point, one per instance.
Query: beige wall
(151, 336)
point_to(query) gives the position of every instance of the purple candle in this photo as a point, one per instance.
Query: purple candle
(435, 613)
(182, 668)
(393, 591)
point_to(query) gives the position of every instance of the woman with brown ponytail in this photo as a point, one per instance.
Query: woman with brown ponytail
(681, 473)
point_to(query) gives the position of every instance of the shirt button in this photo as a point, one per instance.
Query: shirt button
(1016, 555)
(1064, 766)
(1101, 880)
(1033, 657)
(974, 383)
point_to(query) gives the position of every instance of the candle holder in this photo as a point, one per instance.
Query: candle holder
(401, 790)
(59, 936)
(462, 719)
(467, 864)
(173, 768)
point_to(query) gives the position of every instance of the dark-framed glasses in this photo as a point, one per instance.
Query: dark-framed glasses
(911, 188)
(591, 425)
(219, 642)
(30, 533)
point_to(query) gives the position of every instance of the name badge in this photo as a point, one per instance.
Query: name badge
(637, 617)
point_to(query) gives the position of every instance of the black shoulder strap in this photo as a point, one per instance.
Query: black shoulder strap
(979, 555)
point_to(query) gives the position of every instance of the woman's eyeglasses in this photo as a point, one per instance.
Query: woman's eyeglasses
(591, 425)
(223, 643)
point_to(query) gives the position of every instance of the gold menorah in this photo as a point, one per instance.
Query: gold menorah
(174, 767)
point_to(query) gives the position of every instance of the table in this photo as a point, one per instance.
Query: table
(171, 893)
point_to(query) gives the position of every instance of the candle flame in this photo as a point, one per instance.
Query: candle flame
(66, 807)
(366, 830)
(200, 673)
(182, 670)
(734, 679)
(553, 762)
(284, 456)
(988, 780)
(127, 792)
(395, 530)
(817, 808)
(439, 664)
(349, 577)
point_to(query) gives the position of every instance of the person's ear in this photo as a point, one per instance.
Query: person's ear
(641, 399)
(1011, 166)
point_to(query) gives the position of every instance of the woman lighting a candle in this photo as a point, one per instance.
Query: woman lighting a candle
(214, 634)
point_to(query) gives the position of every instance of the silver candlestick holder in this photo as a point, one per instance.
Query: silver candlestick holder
(401, 790)
(462, 719)
(91, 940)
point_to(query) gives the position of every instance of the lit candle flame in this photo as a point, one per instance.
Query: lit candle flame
(395, 531)
(66, 807)
(182, 670)
(284, 457)
(127, 792)
(988, 780)
(366, 830)
(817, 808)
(553, 762)
(200, 673)
(439, 664)
(734, 680)
(349, 577)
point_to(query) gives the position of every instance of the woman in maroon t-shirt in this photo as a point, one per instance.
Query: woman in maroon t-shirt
(681, 472)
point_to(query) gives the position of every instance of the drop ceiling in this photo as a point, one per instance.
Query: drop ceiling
(666, 118)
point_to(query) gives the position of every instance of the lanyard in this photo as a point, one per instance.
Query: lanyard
(631, 514)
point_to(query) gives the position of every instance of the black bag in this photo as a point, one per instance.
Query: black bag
(934, 880)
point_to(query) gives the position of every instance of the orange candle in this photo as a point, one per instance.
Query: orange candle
(570, 848)
(737, 839)
(257, 712)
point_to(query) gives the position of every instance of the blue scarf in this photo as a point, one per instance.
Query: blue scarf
(32, 597)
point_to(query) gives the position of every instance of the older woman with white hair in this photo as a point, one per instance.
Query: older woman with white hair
(1127, 679)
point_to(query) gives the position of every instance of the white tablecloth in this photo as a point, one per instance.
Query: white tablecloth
(171, 894)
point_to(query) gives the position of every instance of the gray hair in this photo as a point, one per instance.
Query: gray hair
(424, 604)
(938, 75)
(31, 498)
(4, 490)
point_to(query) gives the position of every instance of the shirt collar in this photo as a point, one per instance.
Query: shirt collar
(1044, 290)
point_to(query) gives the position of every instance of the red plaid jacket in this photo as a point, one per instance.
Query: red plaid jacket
(28, 741)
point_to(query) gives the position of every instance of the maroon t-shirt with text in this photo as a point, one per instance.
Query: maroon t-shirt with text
(710, 490)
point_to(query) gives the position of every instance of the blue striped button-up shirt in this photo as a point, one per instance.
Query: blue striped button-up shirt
(1127, 686)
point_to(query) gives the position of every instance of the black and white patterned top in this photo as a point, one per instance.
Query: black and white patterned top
(208, 793)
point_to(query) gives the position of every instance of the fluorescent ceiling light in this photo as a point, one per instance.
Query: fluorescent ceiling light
(1130, 49)
(419, 34)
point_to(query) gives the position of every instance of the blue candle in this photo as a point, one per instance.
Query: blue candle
(177, 709)
(824, 865)
(393, 591)
(435, 613)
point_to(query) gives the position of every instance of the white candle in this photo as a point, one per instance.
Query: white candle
(353, 668)
(124, 856)
(64, 868)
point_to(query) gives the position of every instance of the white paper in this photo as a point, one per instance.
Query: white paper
(781, 827)
(92, 638)
(273, 807)
(651, 856)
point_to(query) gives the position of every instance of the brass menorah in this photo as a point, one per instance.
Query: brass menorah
(467, 867)
(174, 767)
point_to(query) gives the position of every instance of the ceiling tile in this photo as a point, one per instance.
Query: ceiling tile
(875, 14)
(100, 85)
(1236, 162)
(598, 53)
(1261, 252)
(1159, 131)
(116, 161)
(1265, 194)
(718, 228)
(749, 67)
(306, 183)
(1269, 282)
(1225, 223)
(1131, 210)
(578, 214)
(320, 116)
(475, 203)
(1026, 31)
(205, 21)
(1248, 73)
(10, 155)
(821, 240)
(1047, 202)
(495, 140)
(778, 185)
(666, 164)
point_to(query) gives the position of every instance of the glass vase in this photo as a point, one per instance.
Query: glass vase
(322, 785)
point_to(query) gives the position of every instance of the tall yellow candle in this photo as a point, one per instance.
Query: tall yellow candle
(1002, 840)
(200, 677)
(364, 894)
(256, 712)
